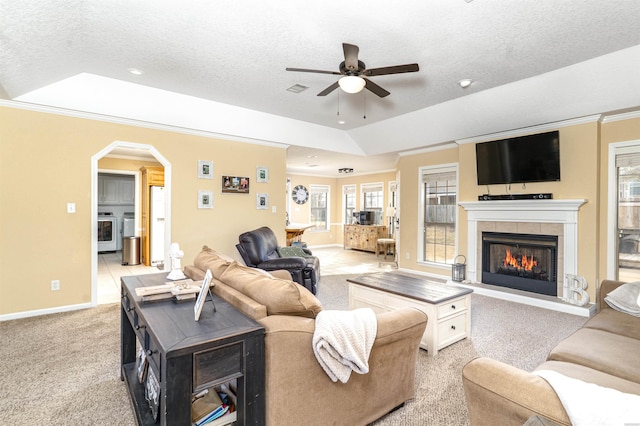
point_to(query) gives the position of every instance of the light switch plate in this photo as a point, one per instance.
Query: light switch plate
(71, 207)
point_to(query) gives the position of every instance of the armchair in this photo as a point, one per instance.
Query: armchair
(259, 249)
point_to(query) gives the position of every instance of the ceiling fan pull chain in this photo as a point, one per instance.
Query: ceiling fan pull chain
(338, 103)
(364, 105)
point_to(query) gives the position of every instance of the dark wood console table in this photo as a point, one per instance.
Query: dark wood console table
(188, 356)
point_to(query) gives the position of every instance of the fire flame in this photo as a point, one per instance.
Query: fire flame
(527, 262)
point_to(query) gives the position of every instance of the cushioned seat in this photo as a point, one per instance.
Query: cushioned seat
(259, 249)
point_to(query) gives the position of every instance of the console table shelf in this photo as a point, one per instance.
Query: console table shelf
(188, 356)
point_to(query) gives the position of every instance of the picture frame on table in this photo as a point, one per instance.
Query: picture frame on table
(262, 201)
(205, 199)
(235, 184)
(202, 296)
(262, 174)
(205, 169)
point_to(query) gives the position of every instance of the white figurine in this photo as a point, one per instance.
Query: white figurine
(176, 269)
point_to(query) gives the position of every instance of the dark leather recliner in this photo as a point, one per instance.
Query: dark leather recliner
(259, 249)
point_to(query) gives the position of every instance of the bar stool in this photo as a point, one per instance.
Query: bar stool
(386, 244)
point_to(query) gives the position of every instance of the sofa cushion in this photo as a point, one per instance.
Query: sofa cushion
(607, 352)
(211, 259)
(625, 298)
(281, 297)
(615, 322)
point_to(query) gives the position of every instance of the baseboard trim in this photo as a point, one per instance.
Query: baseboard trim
(39, 312)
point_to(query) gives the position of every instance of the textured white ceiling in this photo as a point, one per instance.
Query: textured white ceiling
(219, 66)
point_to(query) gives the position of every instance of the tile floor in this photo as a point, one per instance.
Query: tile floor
(333, 261)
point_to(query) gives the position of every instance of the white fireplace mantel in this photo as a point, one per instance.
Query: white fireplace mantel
(564, 212)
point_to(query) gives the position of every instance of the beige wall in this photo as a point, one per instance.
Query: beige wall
(580, 165)
(45, 163)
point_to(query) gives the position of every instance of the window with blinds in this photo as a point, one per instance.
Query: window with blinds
(319, 206)
(439, 211)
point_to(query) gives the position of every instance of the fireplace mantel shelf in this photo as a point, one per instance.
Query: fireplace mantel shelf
(523, 205)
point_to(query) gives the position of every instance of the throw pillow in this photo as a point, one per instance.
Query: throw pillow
(211, 259)
(291, 252)
(625, 298)
(280, 297)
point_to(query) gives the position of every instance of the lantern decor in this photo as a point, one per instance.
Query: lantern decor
(458, 269)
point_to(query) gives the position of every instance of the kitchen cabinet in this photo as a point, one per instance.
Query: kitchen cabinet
(115, 190)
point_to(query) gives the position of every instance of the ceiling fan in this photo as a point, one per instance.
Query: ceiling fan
(354, 73)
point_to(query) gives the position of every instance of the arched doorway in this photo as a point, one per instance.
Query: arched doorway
(123, 148)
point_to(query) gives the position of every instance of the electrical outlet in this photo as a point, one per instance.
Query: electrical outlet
(55, 285)
(71, 207)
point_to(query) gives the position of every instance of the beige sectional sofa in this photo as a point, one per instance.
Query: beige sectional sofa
(605, 351)
(297, 390)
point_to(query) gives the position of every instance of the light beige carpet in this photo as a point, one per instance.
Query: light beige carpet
(63, 369)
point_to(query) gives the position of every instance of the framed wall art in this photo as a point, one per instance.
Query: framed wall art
(205, 199)
(262, 201)
(205, 169)
(262, 174)
(235, 185)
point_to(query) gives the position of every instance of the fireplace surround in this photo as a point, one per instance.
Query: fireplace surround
(553, 217)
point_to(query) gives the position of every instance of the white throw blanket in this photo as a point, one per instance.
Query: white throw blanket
(588, 404)
(342, 341)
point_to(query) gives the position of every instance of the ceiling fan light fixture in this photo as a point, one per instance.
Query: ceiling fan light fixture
(352, 83)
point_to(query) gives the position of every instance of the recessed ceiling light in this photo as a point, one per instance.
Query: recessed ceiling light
(465, 83)
(136, 71)
(297, 88)
(341, 122)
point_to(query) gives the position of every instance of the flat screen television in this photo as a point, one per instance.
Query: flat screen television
(366, 217)
(532, 158)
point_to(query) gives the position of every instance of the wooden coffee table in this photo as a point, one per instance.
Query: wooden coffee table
(448, 307)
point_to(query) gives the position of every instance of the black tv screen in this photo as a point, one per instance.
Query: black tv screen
(533, 158)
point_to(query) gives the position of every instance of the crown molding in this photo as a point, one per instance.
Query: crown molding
(621, 117)
(448, 145)
(532, 129)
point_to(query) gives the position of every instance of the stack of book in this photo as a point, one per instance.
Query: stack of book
(214, 407)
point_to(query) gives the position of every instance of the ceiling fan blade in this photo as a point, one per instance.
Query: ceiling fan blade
(371, 86)
(350, 56)
(329, 89)
(315, 71)
(396, 69)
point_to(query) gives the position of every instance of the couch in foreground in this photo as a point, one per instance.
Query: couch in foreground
(297, 390)
(605, 351)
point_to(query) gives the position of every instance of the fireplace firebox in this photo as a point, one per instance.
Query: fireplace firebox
(521, 261)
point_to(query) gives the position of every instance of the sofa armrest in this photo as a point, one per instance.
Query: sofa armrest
(606, 287)
(500, 394)
(294, 377)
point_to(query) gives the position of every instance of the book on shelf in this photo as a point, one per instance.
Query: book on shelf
(204, 404)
